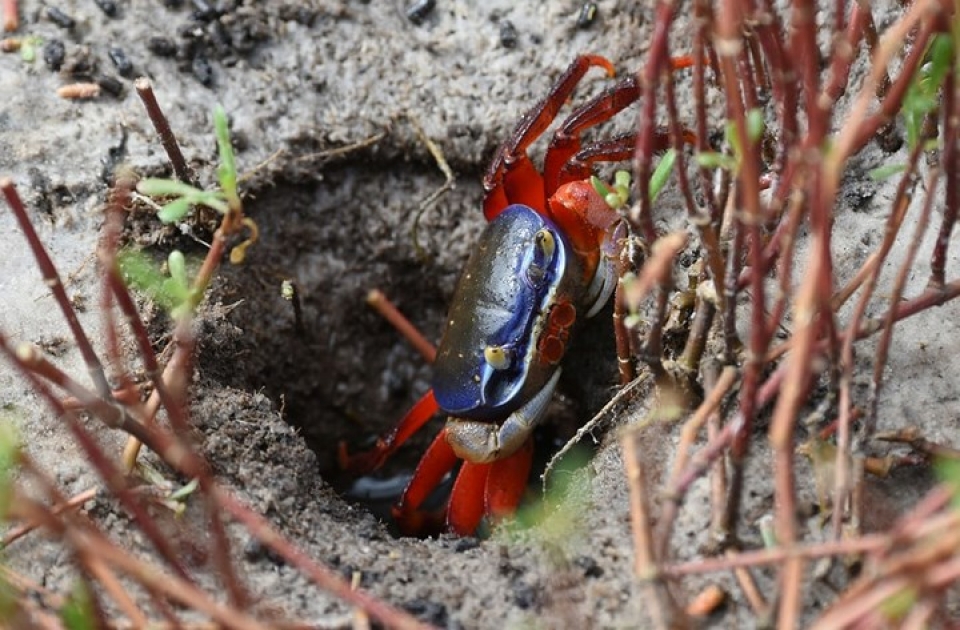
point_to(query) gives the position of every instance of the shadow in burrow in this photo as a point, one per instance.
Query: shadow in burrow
(341, 373)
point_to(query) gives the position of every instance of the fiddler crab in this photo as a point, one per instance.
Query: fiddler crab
(544, 263)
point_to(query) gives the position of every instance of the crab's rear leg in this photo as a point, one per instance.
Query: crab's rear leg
(387, 444)
(512, 178)
(438, 460)
(565, 144)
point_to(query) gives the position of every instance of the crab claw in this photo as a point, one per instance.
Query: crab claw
(484, 442)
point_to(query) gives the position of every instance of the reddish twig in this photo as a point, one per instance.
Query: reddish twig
(162, 126)
(380, 303)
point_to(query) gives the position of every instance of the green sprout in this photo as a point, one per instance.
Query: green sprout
(755, 127)
(77, 611)
(10, 446)
(28, 48)
(948, 470)
(186, 196)
(922, 98)
(923, 95)
(662, 173)
(617, 196)
(172, 291)
(552, 519)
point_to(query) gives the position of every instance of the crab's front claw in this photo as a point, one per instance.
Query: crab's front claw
(485, 442)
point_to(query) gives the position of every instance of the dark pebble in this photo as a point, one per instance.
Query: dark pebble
(588, 15)
(61, 19)
(419, 10)
(54, 53)
(508, 34)
(109, 84)
(202, 70)
(120, 61)
(109, 7)
(162, 46)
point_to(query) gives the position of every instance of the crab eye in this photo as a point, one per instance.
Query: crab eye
(544, 247)
(497, 357)
(545, 243)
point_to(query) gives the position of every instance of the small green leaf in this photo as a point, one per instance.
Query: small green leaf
(158, 187)
(599, 186)
(662, 174)
(755, 124)
(77, 612)
(227, 170)
(28, 48)
(712, 159)
(177, 265)
(182, 493)
(142, 274)
(948, 470)
(621, 179)
(174, 211)
(9, 460)
(885, 172)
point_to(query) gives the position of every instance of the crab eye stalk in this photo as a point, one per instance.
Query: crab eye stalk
(498, 357)
(544, 248)
(545, 243)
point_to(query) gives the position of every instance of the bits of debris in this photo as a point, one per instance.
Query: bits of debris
(78, 91)
(588, 15)
(61, 19)
(110, 85)
(120, 61)
(162, 46)
(419, 10)
(202, 70)
(54, 52)
(11, 17)
(109, 7)
(508, 34)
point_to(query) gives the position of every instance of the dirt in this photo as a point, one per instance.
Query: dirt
(274, 395)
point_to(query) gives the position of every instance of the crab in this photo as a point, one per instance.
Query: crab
(542, 265)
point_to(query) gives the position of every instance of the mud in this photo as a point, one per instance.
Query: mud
(274, 395)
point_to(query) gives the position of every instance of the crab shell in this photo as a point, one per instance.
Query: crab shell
(514, 307)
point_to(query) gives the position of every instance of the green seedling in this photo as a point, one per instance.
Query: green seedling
(28, 48)
(10, 446)
(948, 470)
(173, 290)
(922, 99)
(186, 196)
(618, 196)
(77, 612)
(553, 519)
(755, 127)
(923, 95)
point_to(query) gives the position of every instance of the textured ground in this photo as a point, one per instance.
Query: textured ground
(299, 79)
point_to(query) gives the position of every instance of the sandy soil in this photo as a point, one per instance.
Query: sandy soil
(299, 79)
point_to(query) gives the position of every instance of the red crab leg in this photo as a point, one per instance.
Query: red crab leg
(512, 178)
(466, 507)
(437, 461)
(493, 489)
(566, 141)
(508, 481)
(387, 444)
(619, 149)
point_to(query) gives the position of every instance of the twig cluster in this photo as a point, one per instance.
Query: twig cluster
(790, 137)
(106, 570)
